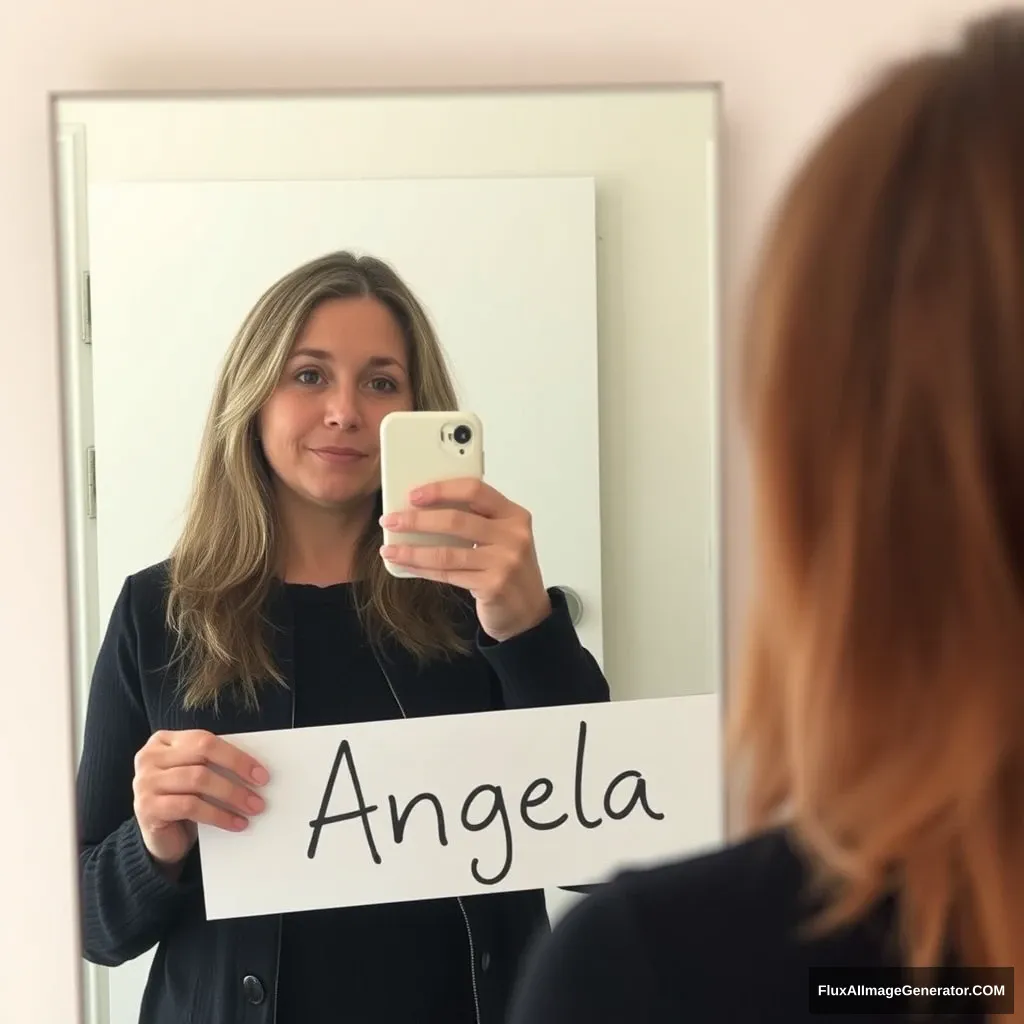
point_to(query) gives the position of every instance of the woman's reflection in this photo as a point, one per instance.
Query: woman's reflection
(275, 610)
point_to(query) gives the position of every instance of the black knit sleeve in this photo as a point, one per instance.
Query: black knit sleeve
(545, 666)
(127, 901)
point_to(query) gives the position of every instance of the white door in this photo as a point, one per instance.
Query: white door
(506, 269)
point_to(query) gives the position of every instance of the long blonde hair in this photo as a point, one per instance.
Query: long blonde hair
(880, 711)
(223, 565)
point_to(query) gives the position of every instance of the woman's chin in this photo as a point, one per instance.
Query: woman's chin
(339, 500)
(331, 495)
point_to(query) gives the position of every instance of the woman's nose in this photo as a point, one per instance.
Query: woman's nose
(343, 408)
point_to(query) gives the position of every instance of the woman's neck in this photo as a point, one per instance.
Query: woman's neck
(319, 545)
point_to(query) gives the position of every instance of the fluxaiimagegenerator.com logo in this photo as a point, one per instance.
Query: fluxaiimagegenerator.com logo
(987, 990)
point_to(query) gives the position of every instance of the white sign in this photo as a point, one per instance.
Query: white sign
(456, 805)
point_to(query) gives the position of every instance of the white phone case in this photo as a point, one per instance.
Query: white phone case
(423, 447)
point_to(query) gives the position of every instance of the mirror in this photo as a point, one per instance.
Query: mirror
(561, 246)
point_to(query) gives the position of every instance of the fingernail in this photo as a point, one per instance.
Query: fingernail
(387, 550)
(391, 519)
(260, 775)
(254, 802)
(417, 494)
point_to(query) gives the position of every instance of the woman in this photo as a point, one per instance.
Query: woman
(880, 733)
(276, 610)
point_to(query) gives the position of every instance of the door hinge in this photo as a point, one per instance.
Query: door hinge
(86, 306)
(90, 482)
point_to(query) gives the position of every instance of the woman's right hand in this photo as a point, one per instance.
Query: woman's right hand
(177, 774)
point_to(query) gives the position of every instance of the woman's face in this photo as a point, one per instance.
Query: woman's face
(320, 428)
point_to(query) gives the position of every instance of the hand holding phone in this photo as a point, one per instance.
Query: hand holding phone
(490, 548)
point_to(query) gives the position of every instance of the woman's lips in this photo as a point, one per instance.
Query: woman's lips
(339, 456)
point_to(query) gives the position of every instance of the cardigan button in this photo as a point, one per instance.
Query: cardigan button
(485, 961)
(255, 993)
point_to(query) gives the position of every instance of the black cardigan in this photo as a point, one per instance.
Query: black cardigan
(215, 972)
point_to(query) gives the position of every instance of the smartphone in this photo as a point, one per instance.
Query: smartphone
(423, 447)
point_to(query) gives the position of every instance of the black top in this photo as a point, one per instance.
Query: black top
(335, 960)
(708, 939)
(227, 971)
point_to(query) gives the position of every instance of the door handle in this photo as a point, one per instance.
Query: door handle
(573, 602)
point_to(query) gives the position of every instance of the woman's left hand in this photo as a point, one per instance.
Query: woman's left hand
(500, 570)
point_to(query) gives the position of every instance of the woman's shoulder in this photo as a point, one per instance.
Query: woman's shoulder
(691, 935)
(140, 608)
(765, 866)
(151, 580)
(144, 591)
(688, 904)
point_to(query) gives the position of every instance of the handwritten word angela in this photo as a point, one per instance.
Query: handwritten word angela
(472, 817)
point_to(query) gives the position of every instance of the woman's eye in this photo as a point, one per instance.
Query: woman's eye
(309, 376)
(382, 384)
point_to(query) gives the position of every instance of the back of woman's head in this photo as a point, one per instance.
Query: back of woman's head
(881, 711)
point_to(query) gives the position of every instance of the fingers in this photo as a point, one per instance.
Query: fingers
(195, 775)
(197, 780)
(443, 563)
(157, 810)
(454, 522)
(198, 747)
(484, 572)
(472, 492)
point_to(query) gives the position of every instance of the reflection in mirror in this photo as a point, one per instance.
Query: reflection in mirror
(251, 289)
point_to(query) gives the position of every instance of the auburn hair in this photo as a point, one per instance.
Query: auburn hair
(880, 711)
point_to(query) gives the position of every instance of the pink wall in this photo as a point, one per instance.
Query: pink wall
(783, 64)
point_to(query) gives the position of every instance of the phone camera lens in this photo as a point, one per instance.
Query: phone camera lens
(462, 434)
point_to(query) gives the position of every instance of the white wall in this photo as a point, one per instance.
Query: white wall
(784, 66)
